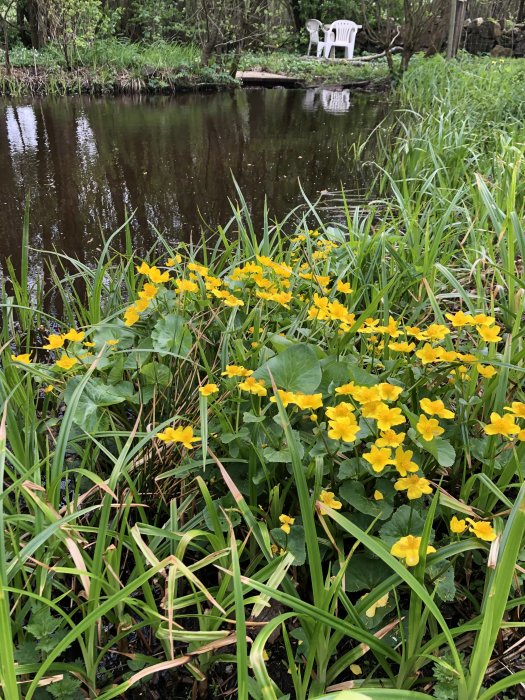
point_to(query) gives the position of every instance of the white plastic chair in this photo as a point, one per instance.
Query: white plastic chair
(312, 27)
(341, 33)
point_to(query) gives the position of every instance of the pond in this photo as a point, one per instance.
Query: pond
(85, 162)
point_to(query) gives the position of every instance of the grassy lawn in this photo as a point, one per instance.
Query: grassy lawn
(292, 463)
(314, 70)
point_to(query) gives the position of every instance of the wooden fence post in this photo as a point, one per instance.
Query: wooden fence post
(458, 10)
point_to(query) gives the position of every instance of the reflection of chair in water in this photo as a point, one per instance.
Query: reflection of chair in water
(312, 27)
(340, 33)
(336, 101)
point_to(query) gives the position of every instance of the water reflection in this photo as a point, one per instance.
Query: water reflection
(85, 162)
(332, 101)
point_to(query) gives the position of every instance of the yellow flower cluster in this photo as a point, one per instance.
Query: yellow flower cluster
(482, 529)
(179, 434)
(505, 424)
(323, 309)
(303, 401)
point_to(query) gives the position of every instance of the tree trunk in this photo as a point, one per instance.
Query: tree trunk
(6, 48)
(37, 26)
(405, 58)
(521, 11)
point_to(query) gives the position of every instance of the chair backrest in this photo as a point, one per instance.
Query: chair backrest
(312, 27)
(343, 28)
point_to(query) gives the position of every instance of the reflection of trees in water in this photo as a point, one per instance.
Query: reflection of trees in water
(88, 161)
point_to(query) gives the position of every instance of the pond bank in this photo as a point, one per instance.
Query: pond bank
(108, 69)
(26, 82)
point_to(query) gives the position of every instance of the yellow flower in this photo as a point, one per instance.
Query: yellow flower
(501, 425)
(286, 521)
(389, 392)
(436, 332)
(342, 410)
(287, 397)
(390, 329)
(518, 408)
(366, 394)
(156, 276)
(149, 291)
(254, 386)
(378, 496)
(24, 359)
(55, 342)
(371, 408)
(435, 408)
(458, 527)
(483, 320)
(402, 346)
(346, 389)
(142, 304)
(209, 389)
(487, 371)
(490, 334)
(74, 335)
(282, 298)
(88, 344)
(403, 461)
(414, 485)
(371, 611)
(466, 357)
(170, 262)
(389, 438)
(112, 341)
(344, 287)
(428, 354)
(407, 548)
(179, 434)
(199, 269)
(415, 331)
(460, 319)
(344, 429)
(186, 286)
(143, 269)
(388, 417)
(49, 388)
(236, 371)
(280, 269)
(378, 458)
(327, 498)
(309, 401)
(66, 362)
(482, 529)
(131, 316)
(429, 428)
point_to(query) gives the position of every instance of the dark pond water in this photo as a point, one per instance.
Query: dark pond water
(83, 162)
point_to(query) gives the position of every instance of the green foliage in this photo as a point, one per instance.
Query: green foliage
(135, 506)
